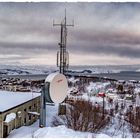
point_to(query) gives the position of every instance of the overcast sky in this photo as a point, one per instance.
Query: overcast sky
(104, 33)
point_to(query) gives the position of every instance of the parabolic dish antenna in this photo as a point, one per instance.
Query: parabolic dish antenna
(57, 87)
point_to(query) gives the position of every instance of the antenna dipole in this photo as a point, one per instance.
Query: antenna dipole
(62, 54)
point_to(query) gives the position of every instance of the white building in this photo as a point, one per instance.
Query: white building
(17, 109)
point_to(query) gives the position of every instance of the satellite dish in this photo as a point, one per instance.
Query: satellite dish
(56, 87)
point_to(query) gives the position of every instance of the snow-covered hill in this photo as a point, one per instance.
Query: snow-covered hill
(23, 70)
(42, 69)
(34, 131)
(61, 131)
(138, 70)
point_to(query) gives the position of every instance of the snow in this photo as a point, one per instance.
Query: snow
(73, 80)
(10, 117)
(102, 136)
(111, 90)
(138, 70)
(112, 96)
(118, 129)
(50, 113)
(72, 90)
(121, 81)
(29, 131)
(137, 100)
(94, 70)
(137, 90)
(34, 113)
(43, 69)
(25, 69)
(24, 131)
(11, 99)
(60, 132)
(96, 87)
(34, 131)
(92, 99)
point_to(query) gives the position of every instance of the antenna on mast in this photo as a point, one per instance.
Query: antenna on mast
(62, 54)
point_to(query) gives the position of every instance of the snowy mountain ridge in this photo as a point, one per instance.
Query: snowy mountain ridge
(43, 69)
(25, 70)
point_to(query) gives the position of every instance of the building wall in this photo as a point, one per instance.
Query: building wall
(22, 116)
(1, 126)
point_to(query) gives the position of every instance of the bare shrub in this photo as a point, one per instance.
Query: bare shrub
(133, 117)
(57, 121)
(83, 116)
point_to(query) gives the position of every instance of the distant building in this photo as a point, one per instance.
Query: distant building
(17, 109)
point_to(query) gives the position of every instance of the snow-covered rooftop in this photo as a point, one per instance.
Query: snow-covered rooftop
(12, 99)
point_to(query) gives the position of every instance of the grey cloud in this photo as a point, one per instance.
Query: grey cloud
(26, 48)
(100, 28)
(120, 43)
(122, 51)
(15, 58)
(102, 37)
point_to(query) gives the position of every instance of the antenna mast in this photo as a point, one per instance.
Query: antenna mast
(62, 54)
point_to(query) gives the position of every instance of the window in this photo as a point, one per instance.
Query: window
(33, 116)
(24, 121)
(30, 117)
(30, 107)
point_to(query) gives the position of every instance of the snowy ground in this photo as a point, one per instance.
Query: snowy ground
(33, 131)
(117, 127)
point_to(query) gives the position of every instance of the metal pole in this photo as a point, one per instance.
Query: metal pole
(42, 121)
(63, 41)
